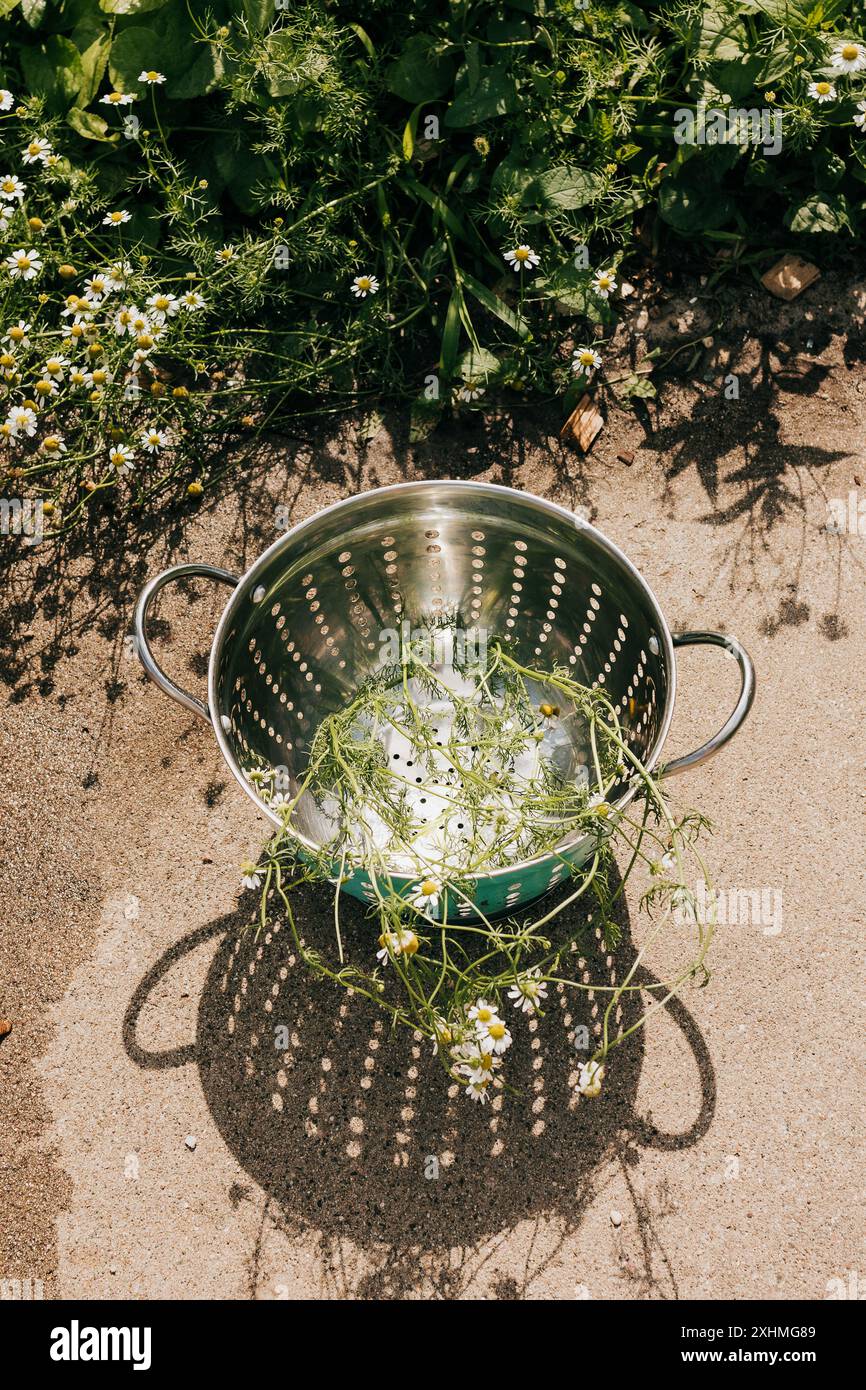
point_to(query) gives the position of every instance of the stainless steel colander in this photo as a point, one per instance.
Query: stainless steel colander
(303, 628)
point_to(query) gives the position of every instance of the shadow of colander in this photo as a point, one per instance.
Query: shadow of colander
(353, 1130)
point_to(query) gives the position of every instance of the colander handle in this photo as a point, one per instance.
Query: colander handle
(139, 629)
(741, 709)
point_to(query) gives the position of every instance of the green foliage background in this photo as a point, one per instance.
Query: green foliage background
(302, 136)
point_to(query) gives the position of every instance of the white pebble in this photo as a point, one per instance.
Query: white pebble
(190, 1141)
(616, 1217)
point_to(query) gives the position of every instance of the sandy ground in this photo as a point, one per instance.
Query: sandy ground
(153, 1142)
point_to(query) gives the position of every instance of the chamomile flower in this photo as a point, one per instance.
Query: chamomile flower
(53, 444)
(362, 285)
(191, 299)
(154, 439)
(77, 308)
(666, 864)
(16, 336)
(396, 943)
(116, 219)
(7, 100)
(425, 895)
(522, 258)
(117, 274)
(22, 420)
(11, 188)
(96, 288)
(117, 99)
(529, 991)
(123, 319)
(481, 1013)
(860, 118)
(23, 265)
(225, 254)
(604, 283)
(99, 377)
(121, 457)
(37, 152)
(585, 361)
(494, 1036)
(477, 1090)
(590, 1079)
(822, 91)
(282, 803)
(476, 1062)
(251, 875)
(849, 57)
(162, 307)
(55, 367)
(139, 323)
(79, 379)
(152, 78)
(469, 391)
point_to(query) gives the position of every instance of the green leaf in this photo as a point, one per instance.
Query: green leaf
(692, 201)
(634, 386)
(34, 11)
(451, 334)
(496, 306)
(478, 365)
(53, 70)
(421, 73)
(88, 124)
(134, 50)
(820, 213)
(94, 61)
(720, 35)
(495, 95)
(564, 188)
(130, 6)
(424, 416)
(200, 77)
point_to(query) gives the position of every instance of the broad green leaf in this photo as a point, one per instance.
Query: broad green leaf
(820, 213)
(134, 50)
(204, 73)
(421, 73)
(88, 124)
(130, 6)
(94, 61)
(720, 35)
(694, 202)
(478, 365)
(53, 70)
(495, 95)
(563, 187)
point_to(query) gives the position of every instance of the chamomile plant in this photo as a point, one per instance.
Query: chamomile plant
(503, 763)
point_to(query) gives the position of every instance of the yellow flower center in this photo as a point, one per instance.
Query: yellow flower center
(23, 261)
(33, 147)
(8, 185)
(485, 1015)
(99, 378)
(521, 254)
(428, 888)
(822, 88)
(152, 76)
(52, 366)
(51, 443)
(161, 302)
(497, 1030)
(43, 388)
(363, 282)
(850, 52)
(16, 334)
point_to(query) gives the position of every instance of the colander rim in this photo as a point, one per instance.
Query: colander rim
(247, 583)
